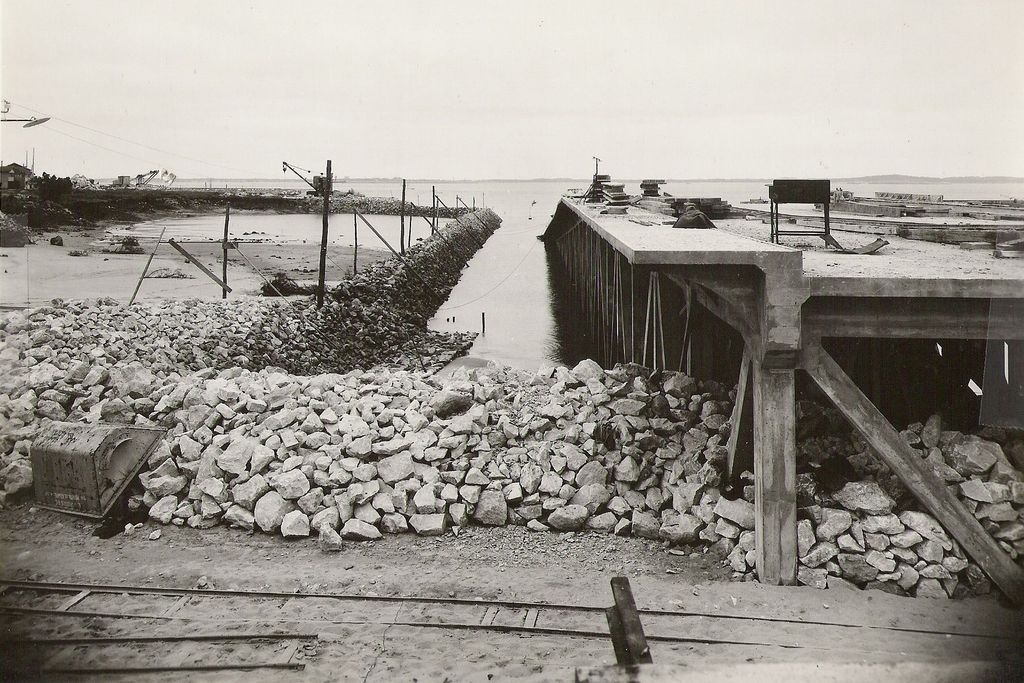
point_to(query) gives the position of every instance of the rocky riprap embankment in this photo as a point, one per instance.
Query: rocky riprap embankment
(358, 455)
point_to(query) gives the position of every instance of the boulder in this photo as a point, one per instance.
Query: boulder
(270, 511)
(569, 517)
(592, 497)
(295, 524)
(865, 496)
(395, 468)
(329, 540)
(292, 484)
(491, 509)
(358, 530)
(447, 403)
(738, 511)
(163, 509)
(428, 525)
(238, 517)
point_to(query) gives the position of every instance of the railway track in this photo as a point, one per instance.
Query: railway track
(249, 629)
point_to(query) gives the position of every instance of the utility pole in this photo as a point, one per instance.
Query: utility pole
(325, 188)
(433, 193)
(224, 248)
(401, 241)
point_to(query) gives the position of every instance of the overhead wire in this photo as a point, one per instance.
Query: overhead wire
(499, 283)
(129, 141)
(96, 144)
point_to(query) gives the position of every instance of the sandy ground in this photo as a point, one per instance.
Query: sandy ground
(35, 274)
(509, 564)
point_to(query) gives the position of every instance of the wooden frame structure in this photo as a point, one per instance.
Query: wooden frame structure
(783, 302)
(798, 192)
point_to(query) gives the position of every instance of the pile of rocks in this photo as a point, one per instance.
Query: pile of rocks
(984, 473)
(360, 455)
(68, 361)
(380, 206)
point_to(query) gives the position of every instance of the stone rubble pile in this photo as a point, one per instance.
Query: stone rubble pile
(360, 455)
(100, 360)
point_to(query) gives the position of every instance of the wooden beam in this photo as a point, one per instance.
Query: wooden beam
(775, 473)
(200, 266)
(915, 473)
(741, 432)
(912, 318)
(629, 621)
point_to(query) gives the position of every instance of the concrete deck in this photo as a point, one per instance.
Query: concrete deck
(904, 268)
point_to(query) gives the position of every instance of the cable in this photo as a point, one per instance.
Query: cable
(94, 144)
(500, 283)
(131, 142)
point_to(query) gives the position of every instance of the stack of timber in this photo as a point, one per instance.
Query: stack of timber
(614, 194)
(712, 207)
(596, 192)
(651, 187)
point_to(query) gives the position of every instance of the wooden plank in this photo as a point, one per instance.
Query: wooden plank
(618, 634)
(914, 472)
(200, 266)
(639, 652)
(775, 474)
(741, 433)
(71, 602)
(178, 604)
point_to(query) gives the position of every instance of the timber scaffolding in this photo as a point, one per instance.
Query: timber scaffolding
(674, 298)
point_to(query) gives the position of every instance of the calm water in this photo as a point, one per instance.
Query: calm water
(529, 322)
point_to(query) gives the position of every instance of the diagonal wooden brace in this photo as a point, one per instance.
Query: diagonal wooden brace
(194, 261)
(913, 471)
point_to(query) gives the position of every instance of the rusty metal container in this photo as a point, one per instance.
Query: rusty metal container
(84, 468)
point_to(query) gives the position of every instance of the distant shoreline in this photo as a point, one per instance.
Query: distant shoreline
(891, 179)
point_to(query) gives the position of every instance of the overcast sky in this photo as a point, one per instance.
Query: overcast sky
(518, 89)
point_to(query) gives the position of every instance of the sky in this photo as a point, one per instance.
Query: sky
(486, 89)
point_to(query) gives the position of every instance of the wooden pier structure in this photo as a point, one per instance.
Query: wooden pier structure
(641, 285)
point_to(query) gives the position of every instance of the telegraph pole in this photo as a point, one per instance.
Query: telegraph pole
(325, 189)
(401, 241)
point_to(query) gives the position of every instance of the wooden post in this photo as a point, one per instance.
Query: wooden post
(483, 322)
(355, 245)
(775, 474)
(401, 241)
(433, 192)
(224, 249)
(627, 628)
(741, 439)
(325, 189)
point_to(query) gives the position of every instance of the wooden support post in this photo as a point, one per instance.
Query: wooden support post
(224, 249)
(741, 434)
(775, 473)
(433, 194)
(401, 240)
(915, 473)
(326, 189)
(355, 244)
(483, 322)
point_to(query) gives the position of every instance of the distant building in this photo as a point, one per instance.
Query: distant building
(14, 177)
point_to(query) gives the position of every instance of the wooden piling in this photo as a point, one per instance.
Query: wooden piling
(224, 250)
(483, 322)
(401, 240)
(355, 244)
(326, 191)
